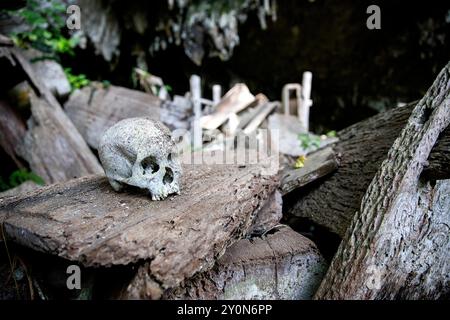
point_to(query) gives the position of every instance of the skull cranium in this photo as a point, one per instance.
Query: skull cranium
(140, 152)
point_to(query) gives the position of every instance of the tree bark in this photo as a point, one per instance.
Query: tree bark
(361, 148)
(398, 243)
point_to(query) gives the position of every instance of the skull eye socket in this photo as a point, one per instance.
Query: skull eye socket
(150, 164)
(168, 177)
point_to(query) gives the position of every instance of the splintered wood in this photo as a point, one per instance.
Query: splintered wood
(84, 220)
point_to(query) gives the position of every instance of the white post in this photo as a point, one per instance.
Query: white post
(303, 111)
(216, 93)
(285, 96)
(196, 95)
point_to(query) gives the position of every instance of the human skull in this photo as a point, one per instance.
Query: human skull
(140, 152)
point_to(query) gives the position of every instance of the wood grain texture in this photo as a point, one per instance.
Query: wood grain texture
(84, 220)
(52, 150)
(361, 150)
(317, 165)
(94, 109)
(281, 265)
(398, 243)
(52, 146)
(269, 216)
(12, 131)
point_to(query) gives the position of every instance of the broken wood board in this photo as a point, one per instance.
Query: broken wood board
(95, 108)
(260, 116)
(52, 146)
(282, 265)
(317, 165)
(235, 100)
(52, 153)
(84, 220)
(49, 72)
(249, 113)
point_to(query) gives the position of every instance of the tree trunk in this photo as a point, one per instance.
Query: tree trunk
(398, 243)
(361, 148)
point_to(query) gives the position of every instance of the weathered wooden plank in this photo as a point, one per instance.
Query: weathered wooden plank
(12, 131)
(24, 187)
(235, 100)
(52, 146)
(259, 117)
(95, 108)
(282, 265)
(84, 220)
(317, 165)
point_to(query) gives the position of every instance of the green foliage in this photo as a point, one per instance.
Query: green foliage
(331, 134)
(18, 177)
(45, 21)
(106, 84)
(309, 140)
(78, 81)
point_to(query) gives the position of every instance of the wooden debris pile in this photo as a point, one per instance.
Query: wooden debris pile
(224, 211)
(381, 186)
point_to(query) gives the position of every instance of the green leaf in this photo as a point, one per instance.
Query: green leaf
(20, 176)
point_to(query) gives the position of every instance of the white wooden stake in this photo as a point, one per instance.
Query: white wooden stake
(216, 93)
(196, 95)
(285, 96)
(306, 103)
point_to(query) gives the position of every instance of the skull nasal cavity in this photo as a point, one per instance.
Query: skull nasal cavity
(168, 177)
(150, 164)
